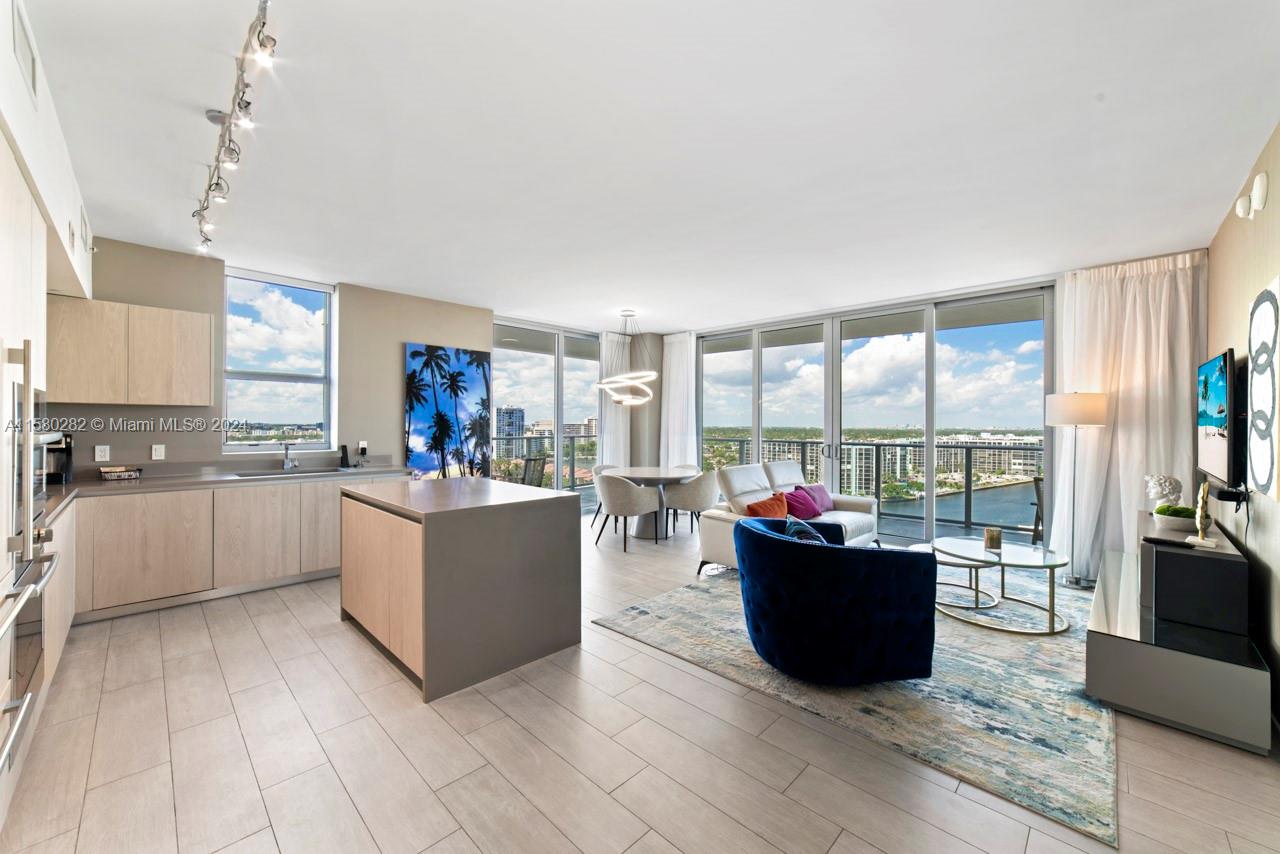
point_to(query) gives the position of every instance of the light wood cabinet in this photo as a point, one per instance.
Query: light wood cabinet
(60, 595)
(110, 352)
(84, 556)
(170, 357)
(88, 351)
(382, 578)
(322, 524)
(151, 545)
(255, 533)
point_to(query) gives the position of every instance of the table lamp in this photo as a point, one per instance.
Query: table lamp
(1075, 410)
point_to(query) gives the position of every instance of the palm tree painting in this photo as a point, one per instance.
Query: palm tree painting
(446, 411)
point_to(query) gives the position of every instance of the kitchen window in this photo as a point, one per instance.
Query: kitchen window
(277, 371)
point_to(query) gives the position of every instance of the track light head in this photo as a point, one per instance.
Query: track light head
(218, 189)
(264, 50)
(229, 156)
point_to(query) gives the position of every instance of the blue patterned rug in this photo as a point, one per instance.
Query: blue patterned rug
(1005, 713)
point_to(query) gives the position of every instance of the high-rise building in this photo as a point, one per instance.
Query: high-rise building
(509, 423)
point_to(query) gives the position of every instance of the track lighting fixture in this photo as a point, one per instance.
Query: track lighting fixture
(261, 47)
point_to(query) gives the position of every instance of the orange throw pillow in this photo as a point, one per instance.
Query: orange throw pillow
(774, 507)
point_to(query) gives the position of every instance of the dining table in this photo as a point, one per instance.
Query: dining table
(658, 477)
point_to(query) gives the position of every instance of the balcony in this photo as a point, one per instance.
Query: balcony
(978, 485)
(578, 456)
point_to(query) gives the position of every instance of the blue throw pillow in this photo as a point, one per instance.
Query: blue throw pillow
(798, 529)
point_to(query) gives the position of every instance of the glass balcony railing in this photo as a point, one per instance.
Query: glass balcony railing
(531, 459)
(977, 484)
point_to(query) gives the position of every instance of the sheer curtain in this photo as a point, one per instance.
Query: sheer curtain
(1131, 332)
(679, 438)
(615, 420)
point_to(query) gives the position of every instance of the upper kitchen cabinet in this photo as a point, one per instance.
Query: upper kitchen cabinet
(31, 127)
(170, 357)
(88, 360)
(109, 352)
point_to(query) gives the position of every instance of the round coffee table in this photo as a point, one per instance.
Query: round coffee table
(970, 552)
(974, 584)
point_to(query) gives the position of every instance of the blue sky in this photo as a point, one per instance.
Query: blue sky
(988, 377)
(275, 328)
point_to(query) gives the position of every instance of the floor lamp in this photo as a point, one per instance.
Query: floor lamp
(1075, 410)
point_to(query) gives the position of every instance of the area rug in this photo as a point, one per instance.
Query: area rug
(1002, 712)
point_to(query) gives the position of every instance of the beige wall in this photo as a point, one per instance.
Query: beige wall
(373, 327)
(127, 272)
(646, 421)
(1243, 258)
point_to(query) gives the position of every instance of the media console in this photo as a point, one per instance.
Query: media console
(1169, 640)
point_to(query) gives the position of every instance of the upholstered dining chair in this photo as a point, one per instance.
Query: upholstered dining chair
(693, 496)
(623, 499)
(596, 471)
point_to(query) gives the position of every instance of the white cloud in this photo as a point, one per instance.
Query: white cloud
(284, 328)
(274, 402)
(1034, 346)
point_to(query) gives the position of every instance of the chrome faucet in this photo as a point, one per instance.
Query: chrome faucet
(289, 463)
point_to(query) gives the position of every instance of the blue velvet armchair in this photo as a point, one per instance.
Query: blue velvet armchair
(832, 614)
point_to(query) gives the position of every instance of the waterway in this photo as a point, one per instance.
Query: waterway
(999, 505)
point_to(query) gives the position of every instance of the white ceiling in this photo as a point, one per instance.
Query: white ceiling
(703, 161)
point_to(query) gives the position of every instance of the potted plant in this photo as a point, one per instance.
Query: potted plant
(1175, 517)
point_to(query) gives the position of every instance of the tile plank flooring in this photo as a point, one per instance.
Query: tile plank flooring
(262, 723)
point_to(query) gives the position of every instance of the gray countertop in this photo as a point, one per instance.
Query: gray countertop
(415, 499)
(59, 496)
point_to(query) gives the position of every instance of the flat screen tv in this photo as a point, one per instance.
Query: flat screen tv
(1215, 418)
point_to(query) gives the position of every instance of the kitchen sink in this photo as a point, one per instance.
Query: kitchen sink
(290, 473)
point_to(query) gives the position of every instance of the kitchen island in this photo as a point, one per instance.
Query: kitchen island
(461, 579)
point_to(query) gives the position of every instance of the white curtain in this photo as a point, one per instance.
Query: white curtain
(615, 420)
(1131, 332)
(679, 437)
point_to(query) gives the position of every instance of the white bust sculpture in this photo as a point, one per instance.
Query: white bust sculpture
(1164, 488)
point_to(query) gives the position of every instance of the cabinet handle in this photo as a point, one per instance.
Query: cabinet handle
(50, 558)
(23, 708)
(21, 594)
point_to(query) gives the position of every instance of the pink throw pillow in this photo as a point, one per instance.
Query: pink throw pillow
(821, 498)
(801, 505)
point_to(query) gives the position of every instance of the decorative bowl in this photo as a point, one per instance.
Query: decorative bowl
(1175, 523)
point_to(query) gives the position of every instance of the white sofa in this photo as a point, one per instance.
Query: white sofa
(743, 485)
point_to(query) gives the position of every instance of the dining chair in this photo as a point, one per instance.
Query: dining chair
(693, 496)
(534, 467)
(623, 499)
(596, 471)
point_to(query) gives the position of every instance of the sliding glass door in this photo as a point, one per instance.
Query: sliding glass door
(579, 372)
(935, 409)
(793, 397)
(546, 407)
(990, 416)
(882, 417)
(726, 367)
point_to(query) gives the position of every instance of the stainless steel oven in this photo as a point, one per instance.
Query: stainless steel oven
(22, 615)
(28, 447)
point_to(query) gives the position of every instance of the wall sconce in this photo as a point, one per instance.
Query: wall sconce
(1256, 200)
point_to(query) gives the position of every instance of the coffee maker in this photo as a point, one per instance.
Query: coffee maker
(57, 463)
